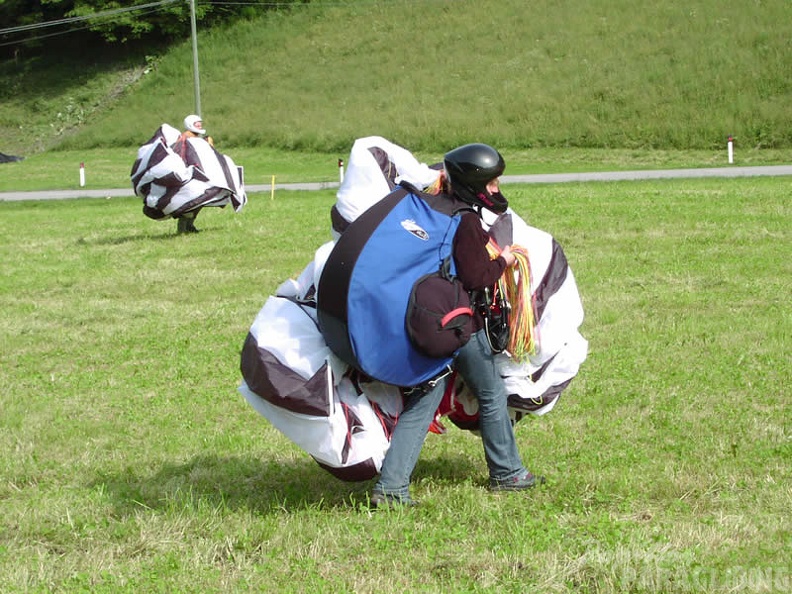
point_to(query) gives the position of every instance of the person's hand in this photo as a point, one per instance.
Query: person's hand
(507, 255)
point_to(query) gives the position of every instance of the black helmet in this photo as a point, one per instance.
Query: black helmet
(470, 168)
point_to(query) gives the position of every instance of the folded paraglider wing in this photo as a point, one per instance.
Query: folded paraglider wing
(374, 168)
(291, 378)
(534, 385)
(175, 174)
(344, 420)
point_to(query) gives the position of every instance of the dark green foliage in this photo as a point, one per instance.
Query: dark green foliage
(112, 21)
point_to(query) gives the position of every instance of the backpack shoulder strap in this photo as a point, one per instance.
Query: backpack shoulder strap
(443, 203)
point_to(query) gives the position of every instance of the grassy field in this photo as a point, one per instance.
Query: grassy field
(132, 465)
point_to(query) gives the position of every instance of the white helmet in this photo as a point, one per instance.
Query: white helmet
(194, 123)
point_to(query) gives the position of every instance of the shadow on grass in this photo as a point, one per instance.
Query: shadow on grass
(168, 235)
(233, 483)
(252, 484)
(446, 469)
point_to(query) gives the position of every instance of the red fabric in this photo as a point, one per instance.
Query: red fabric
(459, 311)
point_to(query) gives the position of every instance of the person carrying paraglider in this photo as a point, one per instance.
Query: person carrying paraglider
(471, 174)
(193, 128)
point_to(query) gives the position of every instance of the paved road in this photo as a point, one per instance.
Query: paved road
(550, 178)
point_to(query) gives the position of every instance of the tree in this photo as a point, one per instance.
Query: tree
(166, 17)
(27, 22)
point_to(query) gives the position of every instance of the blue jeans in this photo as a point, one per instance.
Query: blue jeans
(476, 364)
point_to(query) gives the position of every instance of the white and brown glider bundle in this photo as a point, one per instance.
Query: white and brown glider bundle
(344, 420)
(175, 174)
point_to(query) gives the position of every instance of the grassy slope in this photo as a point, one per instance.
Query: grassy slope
(429, 75)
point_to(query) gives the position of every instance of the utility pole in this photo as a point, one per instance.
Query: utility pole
(196, 78)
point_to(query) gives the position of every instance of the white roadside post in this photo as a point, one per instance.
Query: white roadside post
(730, 146)
(341, 171)
(82, 175)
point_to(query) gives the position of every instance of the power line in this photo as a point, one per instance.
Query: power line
(147, 8)
(95, 15)
(56, 33)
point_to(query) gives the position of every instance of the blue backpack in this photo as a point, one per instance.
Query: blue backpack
(388, 289)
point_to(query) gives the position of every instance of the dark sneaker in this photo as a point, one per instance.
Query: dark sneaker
(522, 481)
(383, 501)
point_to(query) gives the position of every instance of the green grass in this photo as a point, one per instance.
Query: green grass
(430, 75)
(131, 464)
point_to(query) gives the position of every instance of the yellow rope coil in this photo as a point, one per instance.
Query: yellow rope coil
(515, 286)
